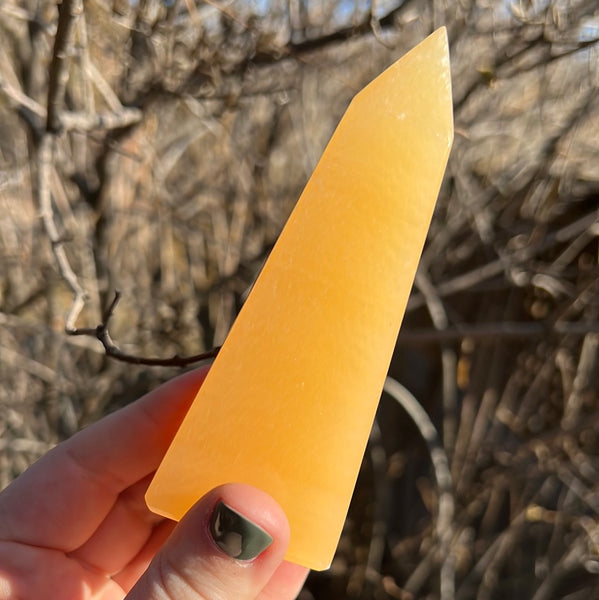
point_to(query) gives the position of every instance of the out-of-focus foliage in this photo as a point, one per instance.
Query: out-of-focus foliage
(179, 207)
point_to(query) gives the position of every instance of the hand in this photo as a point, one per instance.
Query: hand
(75, 525)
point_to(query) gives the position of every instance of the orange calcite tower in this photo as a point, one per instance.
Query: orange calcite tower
(289, 402)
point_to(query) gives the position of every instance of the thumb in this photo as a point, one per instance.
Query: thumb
(227, 547)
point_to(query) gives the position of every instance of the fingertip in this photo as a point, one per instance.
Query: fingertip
(229, 545)
(245, 508)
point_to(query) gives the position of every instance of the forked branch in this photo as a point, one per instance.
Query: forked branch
(111, 349)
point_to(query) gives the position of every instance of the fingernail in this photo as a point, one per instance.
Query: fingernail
(237, 536)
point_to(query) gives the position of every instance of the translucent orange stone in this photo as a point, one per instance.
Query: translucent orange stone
(289, 401)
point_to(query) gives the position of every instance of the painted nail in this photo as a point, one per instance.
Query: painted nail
(237, 536)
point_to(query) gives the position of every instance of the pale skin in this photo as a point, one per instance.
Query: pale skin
(75, 525)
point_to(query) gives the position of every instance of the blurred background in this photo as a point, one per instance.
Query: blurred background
(156, 148)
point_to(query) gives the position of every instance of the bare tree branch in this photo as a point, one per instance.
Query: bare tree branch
(21, 100)
(446, 508)
(107, 121)
(448, 360)
(45, 153)
(102, 334)
(495, 331)
(68, 13)
(56, 120)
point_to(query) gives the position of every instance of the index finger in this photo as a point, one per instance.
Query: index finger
(61, 500)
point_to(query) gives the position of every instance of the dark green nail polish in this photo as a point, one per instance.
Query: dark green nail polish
(237, 536)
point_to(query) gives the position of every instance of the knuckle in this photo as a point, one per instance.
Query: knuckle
(174, 582)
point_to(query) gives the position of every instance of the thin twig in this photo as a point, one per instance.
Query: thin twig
(15, 13)
(377, 31)
(587, 366)
(68, 13)
(569, 564)
(102, 334)
(63, 43)
(21, 100)
(496, 330)
(45, 153)
(379, 528)
(523, 256)
(446, 509)
(102, 86)
(493, 554)
(449, 360)
(106, 121)
(225, 10)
